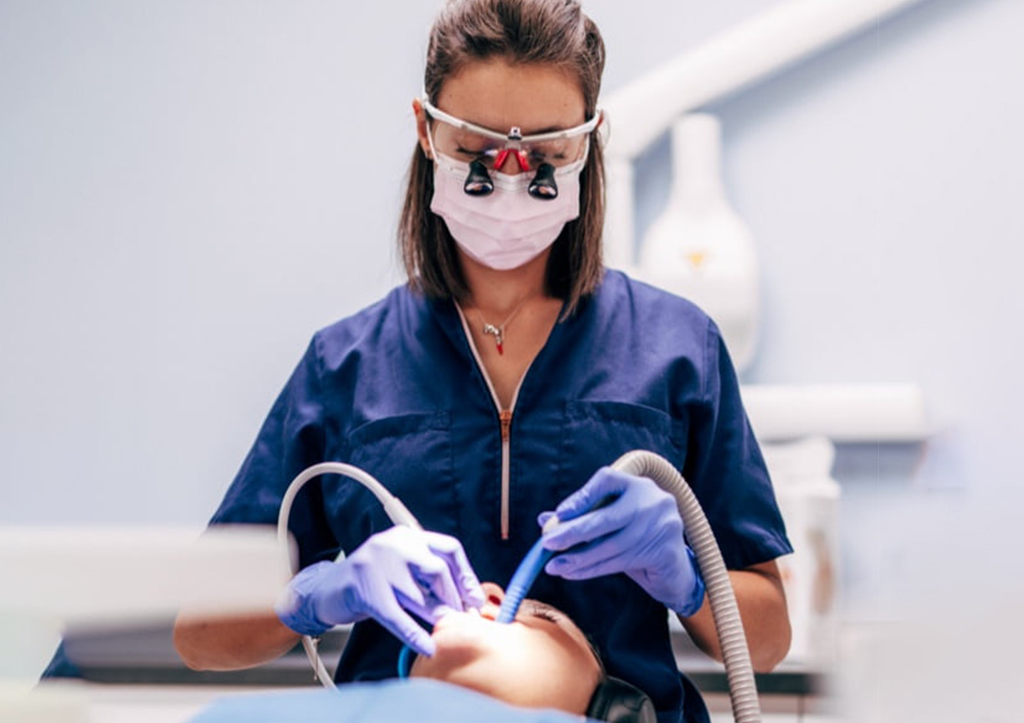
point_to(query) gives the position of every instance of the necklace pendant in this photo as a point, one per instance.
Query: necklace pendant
(499, 337)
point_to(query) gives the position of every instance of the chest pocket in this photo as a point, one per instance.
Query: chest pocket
(412, 456)
(597, 433)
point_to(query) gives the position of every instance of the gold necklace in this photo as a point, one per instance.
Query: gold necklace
(498, 332)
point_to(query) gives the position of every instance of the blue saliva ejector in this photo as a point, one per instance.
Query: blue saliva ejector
(525, 574)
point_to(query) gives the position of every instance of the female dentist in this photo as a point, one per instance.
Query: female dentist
(493, 388)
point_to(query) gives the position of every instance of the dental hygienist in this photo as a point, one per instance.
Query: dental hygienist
(494, 387)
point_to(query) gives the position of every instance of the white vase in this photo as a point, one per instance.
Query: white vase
(699, 248)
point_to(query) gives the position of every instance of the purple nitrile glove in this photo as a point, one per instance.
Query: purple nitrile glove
(636, 530)
(395, 571)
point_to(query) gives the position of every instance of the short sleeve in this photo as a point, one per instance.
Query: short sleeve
(290, 440)
(726, 470)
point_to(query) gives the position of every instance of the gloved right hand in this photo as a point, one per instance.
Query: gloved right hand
(394, 571)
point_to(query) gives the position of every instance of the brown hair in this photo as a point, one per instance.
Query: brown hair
(551, 32)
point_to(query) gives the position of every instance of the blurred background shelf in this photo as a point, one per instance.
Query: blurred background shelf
(845, 413)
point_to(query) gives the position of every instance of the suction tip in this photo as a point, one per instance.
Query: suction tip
(551, 524)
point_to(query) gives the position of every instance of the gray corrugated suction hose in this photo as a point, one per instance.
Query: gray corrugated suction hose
(738, 668)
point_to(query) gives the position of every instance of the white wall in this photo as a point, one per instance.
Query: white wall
(188, 190)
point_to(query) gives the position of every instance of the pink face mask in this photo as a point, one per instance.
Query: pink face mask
(508, 227)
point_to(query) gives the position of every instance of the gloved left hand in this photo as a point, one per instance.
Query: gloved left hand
(618, 522)
(392, 572)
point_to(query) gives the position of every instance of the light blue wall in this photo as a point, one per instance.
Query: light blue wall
(882, 182)
(188, 190)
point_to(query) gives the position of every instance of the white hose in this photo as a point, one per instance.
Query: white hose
(738, 668)
(396, 511)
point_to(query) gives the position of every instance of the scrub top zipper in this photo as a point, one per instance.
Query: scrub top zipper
(504, 419)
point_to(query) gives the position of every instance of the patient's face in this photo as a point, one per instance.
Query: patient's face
(540, 660)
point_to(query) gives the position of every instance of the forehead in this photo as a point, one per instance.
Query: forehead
(498, 95)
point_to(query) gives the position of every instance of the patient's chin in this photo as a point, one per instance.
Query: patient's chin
(524, 693)
(511, 684)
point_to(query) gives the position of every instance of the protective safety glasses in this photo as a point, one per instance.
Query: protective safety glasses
(486, 150)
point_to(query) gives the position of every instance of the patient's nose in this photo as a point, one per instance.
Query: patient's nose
(494, 595)
(493, 592)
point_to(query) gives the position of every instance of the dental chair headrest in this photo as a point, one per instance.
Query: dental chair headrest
(616, 701)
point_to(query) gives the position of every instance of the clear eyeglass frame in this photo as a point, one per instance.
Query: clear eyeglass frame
(468, 142)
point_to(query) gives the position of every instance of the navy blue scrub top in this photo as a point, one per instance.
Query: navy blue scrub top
(396, 391)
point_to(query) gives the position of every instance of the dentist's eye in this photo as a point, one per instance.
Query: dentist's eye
(482, 153)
